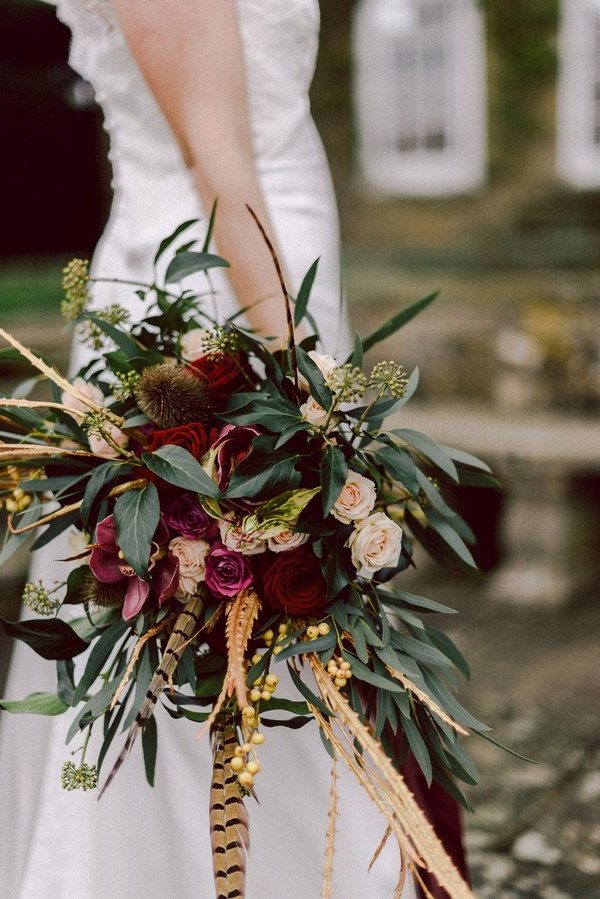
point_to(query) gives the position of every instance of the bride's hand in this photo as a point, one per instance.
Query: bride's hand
(191, 56)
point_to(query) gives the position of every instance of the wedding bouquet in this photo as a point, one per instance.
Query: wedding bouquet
(239, 510)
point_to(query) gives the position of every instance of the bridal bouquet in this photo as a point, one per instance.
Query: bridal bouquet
(235, 511)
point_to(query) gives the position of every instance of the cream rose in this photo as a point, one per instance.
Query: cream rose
(375, 543)
(192, 344)
(241, 539)
(102, 447)
(286, 540)
(88, 390)
(191, 555)
(313, 413)
(356, 500)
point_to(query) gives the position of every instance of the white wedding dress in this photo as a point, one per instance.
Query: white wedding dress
(138, 842)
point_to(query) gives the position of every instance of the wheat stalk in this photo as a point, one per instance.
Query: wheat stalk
(326, 891)
(34, 404)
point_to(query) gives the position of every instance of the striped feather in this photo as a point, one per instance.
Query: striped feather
(183, 630)
(228, 817)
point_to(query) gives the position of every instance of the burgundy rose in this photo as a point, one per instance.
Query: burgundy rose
(195, 438)
(186, 516)
(109, 567)
(293, 582)
(234, 444)
(227, 572)
(223, 373)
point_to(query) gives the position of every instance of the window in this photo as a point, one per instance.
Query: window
(420, 92)
(578, 146)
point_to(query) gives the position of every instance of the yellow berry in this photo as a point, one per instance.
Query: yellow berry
(246, 748)
(18, 493)
(345, 666)
(246, 779)
(312, 632)
(239, 750)
(248, 711)
(255, 695)
(277, 650)
(323, 628)
(257, 738)
(265, 695)
(271, 680)
(268, 636)
(256, 658)
(340, 681)
(253, 767)
(283, 628)
(237, 763)
(347, 674)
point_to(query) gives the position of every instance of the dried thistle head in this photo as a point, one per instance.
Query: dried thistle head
(105, 596)
(171, 395)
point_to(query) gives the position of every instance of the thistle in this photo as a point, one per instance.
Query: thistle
(105, 596)
(171, 395)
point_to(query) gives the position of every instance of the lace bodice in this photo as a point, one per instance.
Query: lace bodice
(280, 41)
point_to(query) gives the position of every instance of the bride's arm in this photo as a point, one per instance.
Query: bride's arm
(191, 55)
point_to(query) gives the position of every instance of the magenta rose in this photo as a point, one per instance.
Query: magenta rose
(233, 445)
(186, 516)
(227, 572)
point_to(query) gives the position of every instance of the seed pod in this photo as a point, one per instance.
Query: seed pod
(171, 395)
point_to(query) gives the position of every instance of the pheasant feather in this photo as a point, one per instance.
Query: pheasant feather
(228, 817)
(183, 630)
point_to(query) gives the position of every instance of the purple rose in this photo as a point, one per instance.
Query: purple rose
(233, 446)
(186, 516)
(227, 572)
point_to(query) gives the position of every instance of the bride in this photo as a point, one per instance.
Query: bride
(201, 100)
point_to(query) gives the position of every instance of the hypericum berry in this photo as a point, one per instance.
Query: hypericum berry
(265, 695)
(246, 748)
(283, 629)
(237, 763)
(246, 779)
(323, 628)
(340, 681)
(240, 751)
(271, 680)
(255, 695)
(253, 767)
(257, 738)
(312, 632)
(256, 658)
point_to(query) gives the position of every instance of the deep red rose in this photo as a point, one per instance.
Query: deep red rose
(195, 438)
(224, 374)
(293, 582)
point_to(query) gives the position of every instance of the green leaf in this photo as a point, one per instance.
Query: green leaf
(443, 642)
(99, 484)
(65, 686)
(14, 541)
(399, 465)
(320, 644)
(397, 322)
(362, 672)
(262, 470)
(420, 602)
(184, 264)
(451, 539)
(316, 382)
(294, 723)
(167, 241)
(287, 506)
(464, 458)
(51, 639)
(435, 497)
(75, 582)
(150, 748)
(420, 651)
(334, 471)
(419, 749)
(126, 343)
(286, 705)
(35, 704)
(306, 691)
(175, 465)
(428, 448)
(304, 293)
(211, 226)
(137, 513)
(98, 657)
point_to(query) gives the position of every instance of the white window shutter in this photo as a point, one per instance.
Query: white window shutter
(420, 96)
(578, 144)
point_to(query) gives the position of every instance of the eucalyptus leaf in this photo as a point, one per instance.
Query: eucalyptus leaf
(304, 293)
(184, 264)
(35, 704)
(167, 241)
(51, 638)
(398, 321)
(334, 471)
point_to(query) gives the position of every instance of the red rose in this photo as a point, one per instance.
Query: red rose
(293, 582)
(195, 438)
(223, 373)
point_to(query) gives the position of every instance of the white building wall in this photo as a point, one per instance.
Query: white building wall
(420, 96)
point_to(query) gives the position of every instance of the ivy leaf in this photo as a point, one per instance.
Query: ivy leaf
(177, 466)
(137, 513)
(334, 471)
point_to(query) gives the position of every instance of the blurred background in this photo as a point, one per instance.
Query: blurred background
(464, 140)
